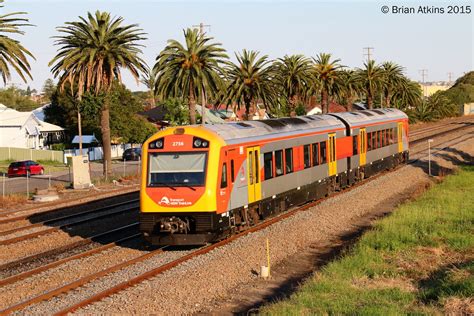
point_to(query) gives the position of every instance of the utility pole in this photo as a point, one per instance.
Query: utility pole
(368, 53)
(424, 74)
(449, 77)
(203, 95)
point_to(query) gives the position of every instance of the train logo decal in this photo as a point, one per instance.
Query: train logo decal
(173, 202)
(164, 201)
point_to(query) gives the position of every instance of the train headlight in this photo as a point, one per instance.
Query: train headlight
(158, 144)
(200, 143)
(197, 142)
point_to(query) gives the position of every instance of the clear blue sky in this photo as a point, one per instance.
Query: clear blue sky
(441, 43)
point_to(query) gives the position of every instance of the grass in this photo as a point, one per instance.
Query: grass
(419, 260)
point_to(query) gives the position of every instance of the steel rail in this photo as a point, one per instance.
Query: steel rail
(79, 243)
(80, 282)
(165, 267)
(124, 285)
(29, 216)
(49, 222)
(23, 275)
(59, 228)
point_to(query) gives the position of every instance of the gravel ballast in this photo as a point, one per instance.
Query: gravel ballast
(196, 284)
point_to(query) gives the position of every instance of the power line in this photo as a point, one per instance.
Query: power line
(449, 77)
(202, 26)
(424, 74)
(368, 52)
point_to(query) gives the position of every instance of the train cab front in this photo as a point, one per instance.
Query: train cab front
(177, 204)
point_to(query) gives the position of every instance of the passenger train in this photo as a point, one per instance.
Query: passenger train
(203, 183)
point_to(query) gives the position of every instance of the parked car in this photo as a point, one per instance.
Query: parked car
(132, 154)
(23, 168)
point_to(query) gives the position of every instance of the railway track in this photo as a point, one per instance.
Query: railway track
(169, 265)
(65, 222)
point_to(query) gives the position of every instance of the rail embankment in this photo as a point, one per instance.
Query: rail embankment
(420, 259)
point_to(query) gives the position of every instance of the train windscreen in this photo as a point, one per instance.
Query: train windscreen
(176, 169)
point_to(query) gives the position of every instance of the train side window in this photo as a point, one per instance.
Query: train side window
(278, 163)
(374, 140)
(369, 141)
(322, 145)
(380, 139)
(306, 156)
(354, 145)
(315, 149)
(224, 176)
(232, 175)
(386, 138)
(289, 160)
(268, 165)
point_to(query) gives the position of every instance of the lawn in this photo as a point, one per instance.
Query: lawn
(419, 260)
(49, 166)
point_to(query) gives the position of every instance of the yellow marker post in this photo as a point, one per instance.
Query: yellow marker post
(268, 257)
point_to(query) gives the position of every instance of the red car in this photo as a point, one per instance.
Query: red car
(23, 168)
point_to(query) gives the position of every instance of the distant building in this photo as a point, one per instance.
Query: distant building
(429, 89)
(25, 130)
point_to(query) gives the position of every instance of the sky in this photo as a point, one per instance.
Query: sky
(441, 43)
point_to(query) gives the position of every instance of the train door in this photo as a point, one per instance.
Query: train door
(400, 137)
(362, 147)
(332, 163)
(253, 174)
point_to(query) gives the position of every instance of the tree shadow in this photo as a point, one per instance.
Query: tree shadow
(441, 283)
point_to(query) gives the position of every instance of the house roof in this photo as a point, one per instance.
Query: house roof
(86, 139)
(10, 117)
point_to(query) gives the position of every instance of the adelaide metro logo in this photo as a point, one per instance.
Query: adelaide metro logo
(164, 201)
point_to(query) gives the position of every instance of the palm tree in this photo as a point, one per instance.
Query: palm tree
(327, 73)
(149, 80)
(93, 51)
(191, 70)
(293, 75)
(408, 97)
(348, 88)
(250, 80)
(12, 53)
(393, 80)
(371, 79)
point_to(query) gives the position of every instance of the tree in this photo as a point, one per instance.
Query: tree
(393, 79)
(176, 112)
(326, 73)
(409, 97)
(48, 89)
(16, 98)
(12, 53)
(348, 88)
(371, 78)
(293, 75)
(191, 70)
(149, 81)
(93, 51)
(125, 126)
(250, 80)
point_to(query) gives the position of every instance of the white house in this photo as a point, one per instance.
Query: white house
(25, 130)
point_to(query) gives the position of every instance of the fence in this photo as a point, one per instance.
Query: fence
(12, 153)
(96, 153)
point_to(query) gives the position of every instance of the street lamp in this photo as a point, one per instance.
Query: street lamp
(429, 156)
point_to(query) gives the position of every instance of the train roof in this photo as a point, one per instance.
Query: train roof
(236, 132)
(365, 117)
